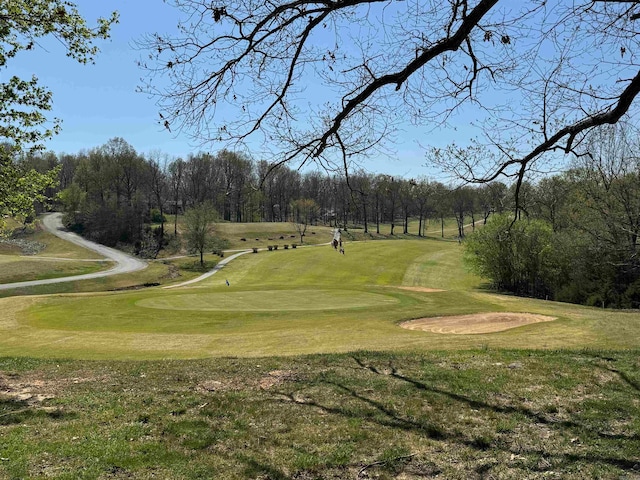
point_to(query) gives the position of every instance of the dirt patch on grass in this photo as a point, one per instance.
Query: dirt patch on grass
(34, 389)
(474, 324)
(422, 289)
(275, 378)
(31, 394)
(269, 380)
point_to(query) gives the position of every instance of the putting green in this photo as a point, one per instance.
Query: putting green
(269, 300)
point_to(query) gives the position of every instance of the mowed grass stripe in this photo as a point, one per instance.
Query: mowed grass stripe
(15, 268)
(364, 263)
(269, 300)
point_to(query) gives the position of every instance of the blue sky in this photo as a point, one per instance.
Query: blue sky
(99, 102)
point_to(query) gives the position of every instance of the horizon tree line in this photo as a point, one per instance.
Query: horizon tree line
(111, 193)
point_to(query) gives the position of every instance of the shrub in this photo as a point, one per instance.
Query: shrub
(519, 257)
(156, 216)
(218, 245)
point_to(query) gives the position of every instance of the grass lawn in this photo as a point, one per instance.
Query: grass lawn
(47, 245)
(37, 255)
(15, 268)
(303, 301)
(455, 415)
(161, 272)
(262, 234)
(298, 369)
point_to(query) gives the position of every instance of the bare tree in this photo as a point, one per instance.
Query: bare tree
(176, 179)
(609, 178)
(158, 183)
(198, 222)
(361, 186)
(424, 198)
(304, 212)
(535, 75)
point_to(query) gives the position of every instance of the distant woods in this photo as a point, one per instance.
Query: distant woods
(113, 194)
(577, 237)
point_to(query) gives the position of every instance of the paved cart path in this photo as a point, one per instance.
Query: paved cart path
(124, 263)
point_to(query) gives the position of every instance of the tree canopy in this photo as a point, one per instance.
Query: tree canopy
(331, 81)
(198, 223)
(23, 101)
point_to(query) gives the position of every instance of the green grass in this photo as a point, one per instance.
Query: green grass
(454, 415)
(311, 377)
(163, 272)
(53, 246)
(302, 301)
(54, 258)
(18, 269)
(262, 234)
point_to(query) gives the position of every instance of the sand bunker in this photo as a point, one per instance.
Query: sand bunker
(477, 323)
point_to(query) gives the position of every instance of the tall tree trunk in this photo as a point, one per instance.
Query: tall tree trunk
(364, 212)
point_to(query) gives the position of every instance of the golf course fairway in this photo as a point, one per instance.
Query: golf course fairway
(302, 301)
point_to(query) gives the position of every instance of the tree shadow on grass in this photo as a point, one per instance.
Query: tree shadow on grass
(253, 468)
(386, 415)
(605, 363)
(13, 412)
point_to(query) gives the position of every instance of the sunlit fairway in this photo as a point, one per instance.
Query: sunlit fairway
(307, 300)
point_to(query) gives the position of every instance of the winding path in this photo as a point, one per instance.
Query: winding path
(215, 269)
(124, 263)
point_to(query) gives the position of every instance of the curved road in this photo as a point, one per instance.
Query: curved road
(124, 263)
(215, 269)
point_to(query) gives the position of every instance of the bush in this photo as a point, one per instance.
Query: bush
(174, 244)
(218, 245)
(156, 216)
(518, 257)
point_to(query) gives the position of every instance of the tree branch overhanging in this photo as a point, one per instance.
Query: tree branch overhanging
(293, 79)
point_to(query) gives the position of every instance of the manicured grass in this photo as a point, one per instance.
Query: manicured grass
(15, 268)
(453, 415)
(269, 301)
(157, 273)
(262, 234)
(301, 301)
(56, 247)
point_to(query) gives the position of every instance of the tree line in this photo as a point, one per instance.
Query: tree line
(576, 236)
(112, 193)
